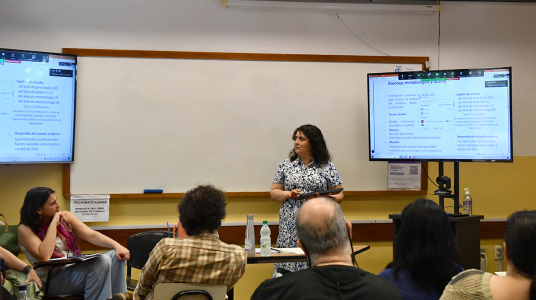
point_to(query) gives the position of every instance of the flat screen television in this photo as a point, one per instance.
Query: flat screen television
(37, 106)
(445, 115)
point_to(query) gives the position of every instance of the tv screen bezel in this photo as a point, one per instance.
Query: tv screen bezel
(73, 135)
(441, 159)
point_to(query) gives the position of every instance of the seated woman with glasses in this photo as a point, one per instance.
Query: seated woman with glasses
(426, 256)
(45, 232)
(520, 255)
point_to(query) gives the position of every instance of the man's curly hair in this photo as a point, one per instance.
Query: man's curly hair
(202, 208)
(319, 149)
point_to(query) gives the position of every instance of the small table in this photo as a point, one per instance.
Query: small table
(291, 256)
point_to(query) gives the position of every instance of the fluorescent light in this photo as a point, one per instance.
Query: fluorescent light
(324, 6)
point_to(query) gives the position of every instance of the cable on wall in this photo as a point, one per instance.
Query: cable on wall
(337, 14)
(439, 34)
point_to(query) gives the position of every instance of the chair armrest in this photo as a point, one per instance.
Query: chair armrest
(3, 266)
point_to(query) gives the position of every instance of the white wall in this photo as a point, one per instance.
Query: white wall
(499, 35)
(471, 35)
(206, 25)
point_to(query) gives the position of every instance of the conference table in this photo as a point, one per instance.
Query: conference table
(287, 256)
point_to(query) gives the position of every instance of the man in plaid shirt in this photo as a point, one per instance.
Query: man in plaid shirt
(197, 256)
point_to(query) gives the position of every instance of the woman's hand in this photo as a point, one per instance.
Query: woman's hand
(32, 276)
(122, 253)
(57, 219)
(278, 193)
(294, 194)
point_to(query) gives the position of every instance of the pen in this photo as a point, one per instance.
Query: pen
(276, 250)
(168, 229)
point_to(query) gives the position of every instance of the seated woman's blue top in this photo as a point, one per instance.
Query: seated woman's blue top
(407, 288)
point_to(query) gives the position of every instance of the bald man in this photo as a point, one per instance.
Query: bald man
(323, 234)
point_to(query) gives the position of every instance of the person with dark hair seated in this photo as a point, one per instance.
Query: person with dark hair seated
(198, 255)
(520, 255)
(324, 236)
(45, 232)
(426, 256)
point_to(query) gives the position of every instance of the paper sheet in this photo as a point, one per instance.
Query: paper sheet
(404, 175)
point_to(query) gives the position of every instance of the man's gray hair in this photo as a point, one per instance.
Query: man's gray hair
(324, 234)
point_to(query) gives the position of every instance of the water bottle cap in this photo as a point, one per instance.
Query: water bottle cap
(22, 287)
(264, 222)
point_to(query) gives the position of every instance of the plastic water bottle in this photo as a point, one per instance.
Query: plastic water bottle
(266, 242)
(468, 202)
(23, 295)
(249, 243)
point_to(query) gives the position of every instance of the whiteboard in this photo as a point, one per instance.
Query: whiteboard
(173, 123)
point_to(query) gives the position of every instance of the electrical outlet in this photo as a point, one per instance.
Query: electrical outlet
(498, 252)
(483, 250)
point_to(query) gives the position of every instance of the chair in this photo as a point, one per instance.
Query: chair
(140, 246)
(52, 265)
(189, 291)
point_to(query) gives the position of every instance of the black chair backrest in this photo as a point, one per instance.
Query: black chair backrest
(3, 267)
(140, 246)
(191, 293)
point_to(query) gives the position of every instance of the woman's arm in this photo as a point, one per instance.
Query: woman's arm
(13, 261)
(337, 197)
(40, 250)
(95, 237)
(17, 264)
(278, 193)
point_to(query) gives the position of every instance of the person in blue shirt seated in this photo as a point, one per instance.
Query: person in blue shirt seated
(425, 256)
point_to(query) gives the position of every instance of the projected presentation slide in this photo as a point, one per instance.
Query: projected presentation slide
(444, 115)
(37, 106)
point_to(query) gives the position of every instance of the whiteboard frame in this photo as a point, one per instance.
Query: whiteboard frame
(247, 57)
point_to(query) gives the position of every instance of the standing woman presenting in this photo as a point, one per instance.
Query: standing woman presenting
(308, 169)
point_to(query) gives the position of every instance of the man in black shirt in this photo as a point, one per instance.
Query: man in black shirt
(324, 236)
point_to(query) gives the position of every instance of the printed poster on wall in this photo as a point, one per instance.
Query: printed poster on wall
(91, 208)
(404, 175)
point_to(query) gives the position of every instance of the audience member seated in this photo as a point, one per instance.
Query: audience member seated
(45, 232)
(426, 256)
(198, 255)
(324, 236)
(520, 256)
(21, 273)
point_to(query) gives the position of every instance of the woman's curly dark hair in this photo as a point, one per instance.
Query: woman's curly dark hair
(319, 150)
(202, 208)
